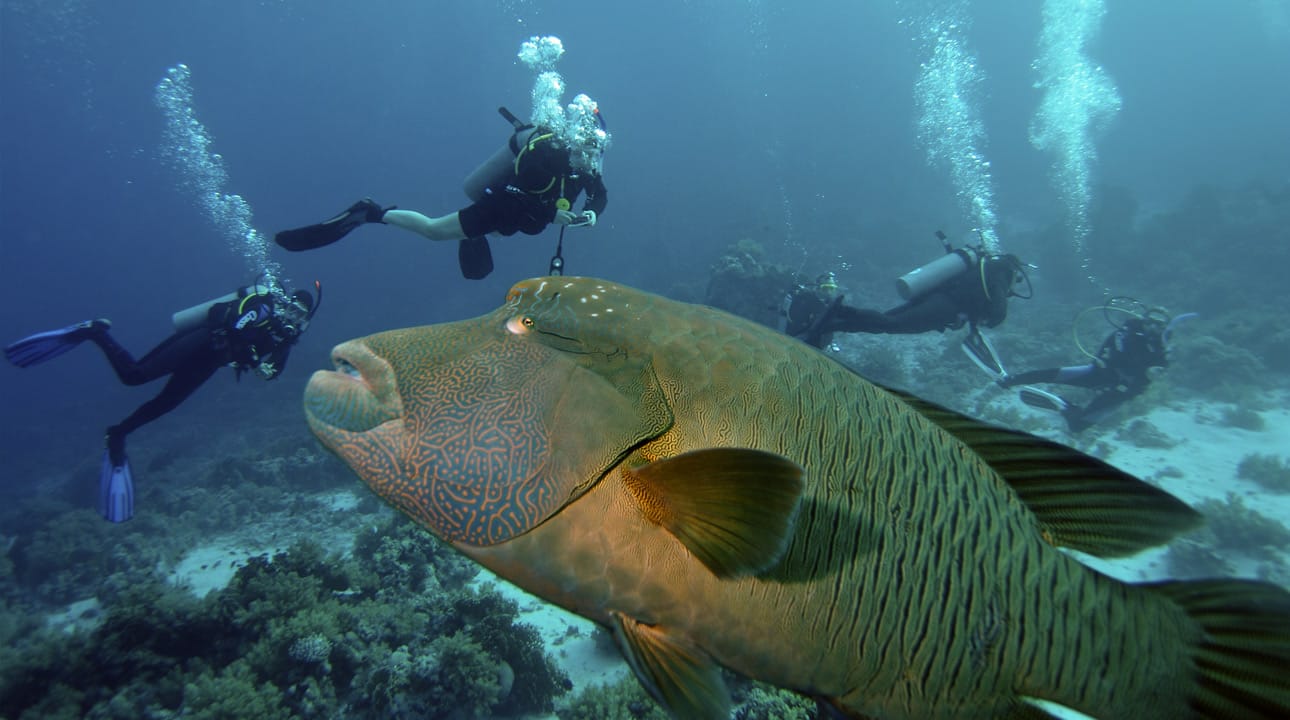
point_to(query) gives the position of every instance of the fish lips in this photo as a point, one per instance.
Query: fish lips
(359, 396)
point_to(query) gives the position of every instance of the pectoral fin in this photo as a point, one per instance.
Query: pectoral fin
(679, 675)
(733, 508)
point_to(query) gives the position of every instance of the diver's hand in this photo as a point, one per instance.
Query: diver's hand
(266, 370)
(566, 217)
(586, 218)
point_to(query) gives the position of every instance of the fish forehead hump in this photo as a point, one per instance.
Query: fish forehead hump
(582, 308)
(601, 315)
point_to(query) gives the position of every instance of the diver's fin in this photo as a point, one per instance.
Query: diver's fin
(36, 349)
(679, 675)
(475, 258)
(327, 231)
(1242, 648)
(733, 508)
(981, 352)
(1081, 502)
(1042, 399)
(116, 490)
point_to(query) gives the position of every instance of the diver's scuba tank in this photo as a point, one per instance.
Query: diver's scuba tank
(926, 278)
(499, 166)
(195, 316)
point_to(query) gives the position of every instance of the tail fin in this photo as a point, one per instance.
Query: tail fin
(1243, 659)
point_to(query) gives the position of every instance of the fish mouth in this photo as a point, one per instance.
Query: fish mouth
(360, 395)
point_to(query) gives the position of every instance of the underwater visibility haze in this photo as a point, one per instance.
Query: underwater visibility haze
(1129, 156)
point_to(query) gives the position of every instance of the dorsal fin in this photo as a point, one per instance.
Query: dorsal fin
(1082, 503)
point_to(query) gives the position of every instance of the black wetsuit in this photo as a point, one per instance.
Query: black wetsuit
(244, 334)
(526, 201)
(1120, 372)
(978, 296)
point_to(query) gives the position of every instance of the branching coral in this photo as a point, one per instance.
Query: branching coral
(300, 634)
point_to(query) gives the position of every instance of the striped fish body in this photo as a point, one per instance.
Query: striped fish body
(916, 584)
(912, 581)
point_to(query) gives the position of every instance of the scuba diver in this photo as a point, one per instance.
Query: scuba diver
(813, 312)
(527, 184)
(1119, 371)
(967, 285)
(251, 330)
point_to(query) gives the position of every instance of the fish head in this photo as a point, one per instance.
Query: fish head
(481, 430)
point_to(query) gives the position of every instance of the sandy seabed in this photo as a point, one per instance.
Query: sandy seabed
(1201, 465)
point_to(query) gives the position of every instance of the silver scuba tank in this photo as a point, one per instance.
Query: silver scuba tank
(926, 278)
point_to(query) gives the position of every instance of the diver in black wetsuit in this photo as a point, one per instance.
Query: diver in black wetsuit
(975, 294)
(1119, 371)
(253, 333)
(531, 183)
(252, 330)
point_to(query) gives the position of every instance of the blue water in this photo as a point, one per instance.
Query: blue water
(836, 134)
(791, 124)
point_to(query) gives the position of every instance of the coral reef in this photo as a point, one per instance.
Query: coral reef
(1143, 434)
(1187, 558)
(1238, 529)
(1242, 417)
(1268, 471)
(743, 282)
(763, 702)
(622, 700)
(301, 634)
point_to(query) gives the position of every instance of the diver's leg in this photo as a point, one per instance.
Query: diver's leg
(931, 312)
(446, 227)
(1045, 375)
(181, 384)
(1101, 406)
(844, 318)
(169, 355)
(1076, 375)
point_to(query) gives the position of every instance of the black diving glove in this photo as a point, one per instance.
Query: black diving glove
(372, 212)
(366, 210)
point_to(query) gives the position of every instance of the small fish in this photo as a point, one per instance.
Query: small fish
(720, 495)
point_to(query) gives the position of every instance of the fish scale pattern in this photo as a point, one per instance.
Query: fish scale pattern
(919, 578)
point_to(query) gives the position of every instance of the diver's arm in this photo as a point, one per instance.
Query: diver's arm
(597, 196)
(272, 365)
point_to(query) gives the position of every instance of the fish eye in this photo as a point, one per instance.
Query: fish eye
(344, 367)
(521, 325)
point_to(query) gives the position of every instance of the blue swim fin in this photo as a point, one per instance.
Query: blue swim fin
(116, 490)
(36, 349)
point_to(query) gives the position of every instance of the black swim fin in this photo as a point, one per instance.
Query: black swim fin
(475, 258)
(116, 490)
(43, 346)
(329, 231)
